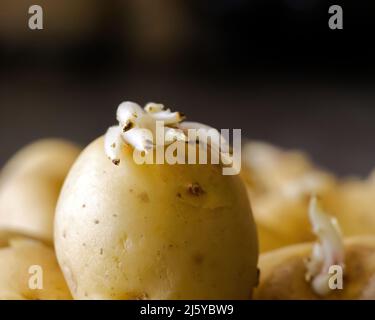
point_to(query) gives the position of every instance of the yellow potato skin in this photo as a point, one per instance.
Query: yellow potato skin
(141, 232)
(15, 260)
(281, 221)
(280, 184)
(30, 184)
(282, 272)
(353, 204)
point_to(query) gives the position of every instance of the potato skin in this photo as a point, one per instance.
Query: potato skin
(280, 184)
(154, 231)
(15, 260)
(282, 272)
(29, 187)
(353, 202)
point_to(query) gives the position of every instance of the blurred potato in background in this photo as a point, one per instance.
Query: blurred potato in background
(353, 204)
(30, 184)
(16, 258)
(280, 184)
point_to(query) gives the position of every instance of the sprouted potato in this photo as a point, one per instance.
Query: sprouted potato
(128, 231)
(302, 271)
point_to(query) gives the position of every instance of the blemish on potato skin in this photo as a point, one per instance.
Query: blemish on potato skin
(64, 234)
(198, 258)
(195, 189)
(101, 251)
(84, 206)
(143, 196)
(96, 221)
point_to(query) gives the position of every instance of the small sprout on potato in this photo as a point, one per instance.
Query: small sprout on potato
(328, 251)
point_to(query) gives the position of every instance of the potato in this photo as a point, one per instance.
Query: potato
(29, 187)
(353, 203)
(281, 221)
(279, 184)
(16, 276)
(283, 271)
(154, 231)
(267, 168)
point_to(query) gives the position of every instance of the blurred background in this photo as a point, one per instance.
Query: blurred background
(272, 68)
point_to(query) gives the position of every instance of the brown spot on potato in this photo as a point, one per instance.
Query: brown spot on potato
(116, 162)
(143, 196)
(83, 206)
(96, 221)
(195, 189)
(179, 195)
(64, 234)
(101, 251)
(198, 258)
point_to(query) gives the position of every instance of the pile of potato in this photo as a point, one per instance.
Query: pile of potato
(124, 231)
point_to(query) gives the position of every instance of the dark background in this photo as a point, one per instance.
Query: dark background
(271, 68)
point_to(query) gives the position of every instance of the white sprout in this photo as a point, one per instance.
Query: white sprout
(167, 116)
(218, 143)
(113, 143)
(328, 251)
(140, 138)
(171, 135)
(128, 112)
(152, 107)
